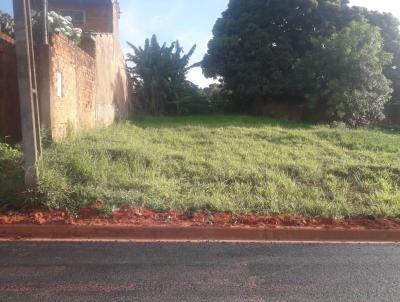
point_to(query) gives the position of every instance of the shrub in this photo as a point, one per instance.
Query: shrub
(218, 98)
(7, 24)
(56, 24)
(63, 25)
(11, 175)
(192, 100)
(60, 25)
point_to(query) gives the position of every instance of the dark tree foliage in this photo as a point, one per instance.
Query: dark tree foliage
(259, 48)
(257, 43)
(389, 26)
(192, 100)
(218, 98)
(346, 75)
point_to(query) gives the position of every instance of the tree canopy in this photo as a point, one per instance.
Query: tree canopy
(260, 47)
(343, 79)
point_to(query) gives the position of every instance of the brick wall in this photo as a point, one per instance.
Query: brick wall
(79, 87)
(82, 87)
(69, 105)
(10, 125)
(85, 81)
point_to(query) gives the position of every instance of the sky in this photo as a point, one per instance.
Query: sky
(188, 21)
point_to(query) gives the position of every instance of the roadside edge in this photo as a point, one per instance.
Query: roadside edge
(143, 233)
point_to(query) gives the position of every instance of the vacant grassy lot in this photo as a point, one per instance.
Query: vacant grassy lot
(227, 163)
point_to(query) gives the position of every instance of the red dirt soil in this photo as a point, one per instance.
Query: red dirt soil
(146, 217)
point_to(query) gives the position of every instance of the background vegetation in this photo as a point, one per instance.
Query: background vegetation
(159, 76)
(327, 60)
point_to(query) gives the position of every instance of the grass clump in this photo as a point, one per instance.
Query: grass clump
(11, 176)
(237, 164)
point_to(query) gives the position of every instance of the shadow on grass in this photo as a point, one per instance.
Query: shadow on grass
(389, 129)
(216, 121)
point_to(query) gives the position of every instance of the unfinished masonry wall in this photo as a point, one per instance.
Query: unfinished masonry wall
(10, 120)
(82, 87)
(67, 87)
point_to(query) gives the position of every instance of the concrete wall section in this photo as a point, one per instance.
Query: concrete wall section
(113, 97)
(42, 58)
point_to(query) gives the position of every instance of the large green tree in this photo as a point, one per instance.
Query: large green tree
(389, 26)
(260, 46)
(257, 42)
(343, 75)
(159, 74)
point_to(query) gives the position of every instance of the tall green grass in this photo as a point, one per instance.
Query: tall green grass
(227, 163)
(11, 176)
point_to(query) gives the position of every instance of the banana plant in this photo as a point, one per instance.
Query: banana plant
(159, 73)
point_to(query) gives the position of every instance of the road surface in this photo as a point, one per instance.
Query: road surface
(197, 272)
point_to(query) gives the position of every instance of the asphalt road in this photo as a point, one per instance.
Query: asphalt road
(197, 272)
